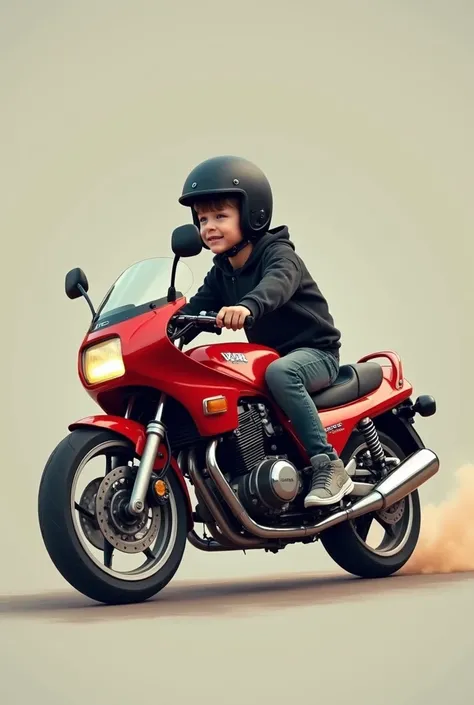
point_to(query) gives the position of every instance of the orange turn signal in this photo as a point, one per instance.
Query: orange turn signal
(160, 488)
(215, 405)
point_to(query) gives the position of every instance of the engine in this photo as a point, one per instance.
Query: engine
(269, 488)
(256, 466)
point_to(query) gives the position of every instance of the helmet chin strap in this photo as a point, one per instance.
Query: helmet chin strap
(232, 251)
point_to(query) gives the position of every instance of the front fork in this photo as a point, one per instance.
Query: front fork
(155, 433)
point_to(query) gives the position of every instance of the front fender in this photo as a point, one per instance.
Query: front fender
(136, 434)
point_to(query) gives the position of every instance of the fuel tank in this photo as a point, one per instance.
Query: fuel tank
(245, 362)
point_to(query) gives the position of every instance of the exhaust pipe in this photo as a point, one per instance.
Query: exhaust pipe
(233, 539)
(220, 543)
(408, 476)
(207, 545)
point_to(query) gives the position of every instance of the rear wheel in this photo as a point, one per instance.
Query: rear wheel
(380, 543)
(87, 532)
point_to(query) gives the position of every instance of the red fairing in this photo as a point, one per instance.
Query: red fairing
(135, 433)
(234, 370)
(151, 360)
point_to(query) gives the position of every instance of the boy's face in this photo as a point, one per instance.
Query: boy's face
(219, 225)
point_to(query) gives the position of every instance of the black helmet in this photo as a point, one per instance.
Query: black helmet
(233, 177)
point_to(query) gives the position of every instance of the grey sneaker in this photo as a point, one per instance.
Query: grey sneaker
(330, 482)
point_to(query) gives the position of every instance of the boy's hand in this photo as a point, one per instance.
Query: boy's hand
(232, 317)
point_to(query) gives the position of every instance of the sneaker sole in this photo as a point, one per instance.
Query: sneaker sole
(321, 502)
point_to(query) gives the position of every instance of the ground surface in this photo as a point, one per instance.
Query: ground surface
(276, 639)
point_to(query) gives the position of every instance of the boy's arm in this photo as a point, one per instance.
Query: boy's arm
(281, 278)
(206, 298)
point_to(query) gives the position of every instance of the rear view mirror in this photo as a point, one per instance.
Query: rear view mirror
(76, 283)
(186, 241)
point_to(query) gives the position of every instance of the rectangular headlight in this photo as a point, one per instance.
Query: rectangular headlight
(103, 362)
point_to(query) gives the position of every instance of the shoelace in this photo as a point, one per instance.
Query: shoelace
(322, 478)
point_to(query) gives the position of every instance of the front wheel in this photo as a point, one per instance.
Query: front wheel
(350, 544)
(88, 534)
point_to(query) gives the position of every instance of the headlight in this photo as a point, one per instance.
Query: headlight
(103, 362)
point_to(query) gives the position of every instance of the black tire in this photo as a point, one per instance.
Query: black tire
(348, 550)
(61, 539)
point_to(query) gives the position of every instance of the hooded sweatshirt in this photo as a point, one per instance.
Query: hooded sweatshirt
(274, 284)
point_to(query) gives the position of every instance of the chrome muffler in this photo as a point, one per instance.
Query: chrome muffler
(408, 476)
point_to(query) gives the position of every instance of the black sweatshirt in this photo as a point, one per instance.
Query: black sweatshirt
(288, 307)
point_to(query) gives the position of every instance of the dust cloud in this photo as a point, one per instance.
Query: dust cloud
(446, 543)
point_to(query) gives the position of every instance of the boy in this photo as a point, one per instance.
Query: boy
(257, 272)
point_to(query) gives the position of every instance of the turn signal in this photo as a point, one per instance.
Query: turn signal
(215, 405)
(160, 488)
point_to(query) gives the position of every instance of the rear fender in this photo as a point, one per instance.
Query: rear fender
(135, 433)
(401, 431)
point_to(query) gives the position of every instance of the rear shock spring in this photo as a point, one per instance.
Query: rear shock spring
(368, 430)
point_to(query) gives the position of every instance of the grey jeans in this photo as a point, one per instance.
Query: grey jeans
(288, 379)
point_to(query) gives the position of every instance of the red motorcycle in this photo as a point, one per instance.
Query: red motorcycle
(205, 415)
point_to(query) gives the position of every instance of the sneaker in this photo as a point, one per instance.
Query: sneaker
(330, 482)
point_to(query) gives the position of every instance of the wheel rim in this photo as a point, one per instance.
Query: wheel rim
(396, 529)
(163, 543)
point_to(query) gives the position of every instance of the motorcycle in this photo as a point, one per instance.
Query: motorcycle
(202, 420)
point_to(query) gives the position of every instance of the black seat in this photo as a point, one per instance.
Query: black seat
(353, 382)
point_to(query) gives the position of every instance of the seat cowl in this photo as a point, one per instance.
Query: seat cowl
(354, 381)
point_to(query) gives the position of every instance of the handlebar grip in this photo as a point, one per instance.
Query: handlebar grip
(248, 323)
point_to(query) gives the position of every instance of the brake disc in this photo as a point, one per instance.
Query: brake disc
(129, 534)
(393, 514)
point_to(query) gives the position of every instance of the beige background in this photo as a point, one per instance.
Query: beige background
(361, 115)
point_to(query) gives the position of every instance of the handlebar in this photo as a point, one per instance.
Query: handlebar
(207, 321)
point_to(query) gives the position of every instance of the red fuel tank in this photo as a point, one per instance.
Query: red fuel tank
(245, 362)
